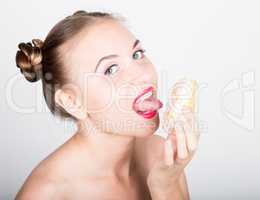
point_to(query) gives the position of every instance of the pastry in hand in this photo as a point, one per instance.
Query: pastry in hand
(182, 95)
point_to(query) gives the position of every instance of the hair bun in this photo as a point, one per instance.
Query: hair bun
(80, 12)
(29, 59)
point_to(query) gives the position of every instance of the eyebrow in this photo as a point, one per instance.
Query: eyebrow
(114, 55)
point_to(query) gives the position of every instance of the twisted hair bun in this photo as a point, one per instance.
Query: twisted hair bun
(80, 12)
(29, 59)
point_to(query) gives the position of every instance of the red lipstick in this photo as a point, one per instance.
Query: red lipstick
(147, 97)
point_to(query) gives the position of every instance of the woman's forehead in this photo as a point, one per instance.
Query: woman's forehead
(101, 39)
(109, 35)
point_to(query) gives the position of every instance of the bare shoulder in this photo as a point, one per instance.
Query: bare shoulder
(44, 182)
(37, 186)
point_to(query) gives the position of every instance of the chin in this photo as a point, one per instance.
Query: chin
(148, 127)
(134, 126)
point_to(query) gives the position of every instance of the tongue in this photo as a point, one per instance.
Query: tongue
(148, 104)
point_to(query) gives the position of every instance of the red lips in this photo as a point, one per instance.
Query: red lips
(156, 104)
(148, 114)
(142, 93)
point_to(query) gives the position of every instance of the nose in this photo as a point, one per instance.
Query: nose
(144, 75)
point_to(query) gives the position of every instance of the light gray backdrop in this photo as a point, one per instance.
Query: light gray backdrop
(215, 42)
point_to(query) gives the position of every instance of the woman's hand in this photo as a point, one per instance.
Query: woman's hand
(179, 148)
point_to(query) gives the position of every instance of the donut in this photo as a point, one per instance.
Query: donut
(182, 94)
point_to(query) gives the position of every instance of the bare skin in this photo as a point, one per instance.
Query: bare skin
(108, 162)
(92, 179)
(56, 178)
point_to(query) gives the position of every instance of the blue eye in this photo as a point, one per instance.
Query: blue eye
(111, 70)
(138, 54)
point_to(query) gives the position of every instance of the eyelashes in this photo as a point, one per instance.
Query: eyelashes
(112, 69)
(141, 51)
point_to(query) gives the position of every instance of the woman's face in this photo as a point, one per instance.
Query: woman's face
(109, 66)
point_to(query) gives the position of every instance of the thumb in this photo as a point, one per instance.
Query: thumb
(168, 152)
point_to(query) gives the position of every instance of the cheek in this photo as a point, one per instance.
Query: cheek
(124, 98)
(98, 95)
(115, 109)
(99, 102)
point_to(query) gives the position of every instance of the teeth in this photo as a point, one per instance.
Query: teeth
(145, 96)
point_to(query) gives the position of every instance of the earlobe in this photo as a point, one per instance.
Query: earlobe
(79, 111)
(70, 103)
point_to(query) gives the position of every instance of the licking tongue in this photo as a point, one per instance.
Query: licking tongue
(148, 105)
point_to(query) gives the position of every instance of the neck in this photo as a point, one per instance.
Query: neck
(111, 154)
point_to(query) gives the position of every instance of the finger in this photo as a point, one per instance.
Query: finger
(173, 138)
(191, 117)
(191, 137)
(182, 152)
(168, 153)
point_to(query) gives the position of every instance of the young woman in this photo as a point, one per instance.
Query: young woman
(94, 71)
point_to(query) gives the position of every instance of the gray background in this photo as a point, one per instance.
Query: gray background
(215, 42)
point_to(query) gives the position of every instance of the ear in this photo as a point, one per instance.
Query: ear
(71, 103)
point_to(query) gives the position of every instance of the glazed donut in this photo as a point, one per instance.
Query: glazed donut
(182, 94)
